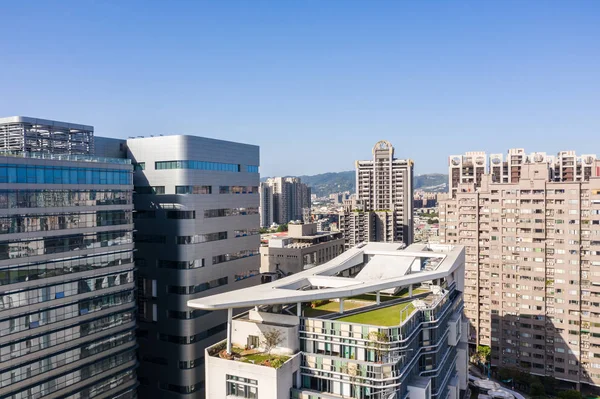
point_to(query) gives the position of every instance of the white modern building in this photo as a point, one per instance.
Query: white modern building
(375, 322)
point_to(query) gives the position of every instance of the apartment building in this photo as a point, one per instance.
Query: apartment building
(465, 169)
(532, 242)
(283, 199)
(197, 229)
(67, 305)
(383, 208)
(342, 331)
(302, 247)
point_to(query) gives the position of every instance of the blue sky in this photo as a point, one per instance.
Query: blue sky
(314, 83)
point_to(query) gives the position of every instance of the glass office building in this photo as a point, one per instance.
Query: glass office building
(67, 304)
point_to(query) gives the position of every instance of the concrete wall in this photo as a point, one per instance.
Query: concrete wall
(272, 383)
(242, 328)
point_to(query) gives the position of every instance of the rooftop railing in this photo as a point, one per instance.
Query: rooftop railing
(65, 157)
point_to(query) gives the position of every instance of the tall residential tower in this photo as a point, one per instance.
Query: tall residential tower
(282, 200)
(531, 230)
(383, 210)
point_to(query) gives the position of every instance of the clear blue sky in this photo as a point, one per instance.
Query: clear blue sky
(314, 83)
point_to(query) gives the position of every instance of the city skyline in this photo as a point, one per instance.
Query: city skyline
(498, 75)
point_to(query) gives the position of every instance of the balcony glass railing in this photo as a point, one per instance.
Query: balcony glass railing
(65, 157)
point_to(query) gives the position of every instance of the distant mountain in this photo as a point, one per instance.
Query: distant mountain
(433, 182)
(335, 182)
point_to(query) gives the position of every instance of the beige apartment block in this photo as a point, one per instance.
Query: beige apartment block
(531, 233)
(383, 210)
(303, 247)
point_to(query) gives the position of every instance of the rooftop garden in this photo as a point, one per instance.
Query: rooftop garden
(253, 356)
(387, 316)
(328, 307)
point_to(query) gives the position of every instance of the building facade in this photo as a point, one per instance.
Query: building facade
(197, 225)
(67, 304)
(283, 199)
(532, 241)
(383, 206)
(23, 134)
(301, 248)
(370, 344)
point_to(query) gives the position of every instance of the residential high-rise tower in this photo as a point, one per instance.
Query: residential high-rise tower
(283, 199)
(531, 232)
(383, 208)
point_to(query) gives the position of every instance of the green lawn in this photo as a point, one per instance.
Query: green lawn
(388, 316)
(331, 307)
(385, 297)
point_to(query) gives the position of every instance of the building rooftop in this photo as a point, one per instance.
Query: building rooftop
(45, 122)
(384, 267)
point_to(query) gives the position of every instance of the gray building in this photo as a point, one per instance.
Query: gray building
(197, 226)
(303, 247)
(67, 305)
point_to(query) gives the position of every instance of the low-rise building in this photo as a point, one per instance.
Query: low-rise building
(302, 247)
(343, 330)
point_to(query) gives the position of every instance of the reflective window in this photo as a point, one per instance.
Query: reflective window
(42, 174)
(252, 169)
(62, 198)
(46, 269)
(81, 374)
(34, 343)
(215, 213)
(233, 256)
(53, 245)
(200, 165)
(58, 314)
(62, 221)
(74, 354)
(193, 189)
(149, 189)
(238, 189)
(200, 238)
(193, 289)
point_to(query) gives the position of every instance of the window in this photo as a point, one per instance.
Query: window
(141, 214)
(181, 214)
(176, 264)
(201, 238)
(139, 166)
(233, 256)
(193, 289)
(238, 189)
(215, 213)
(241, 387)
(200, 165)
(150, 238)
(252, 169)
(193, 189)
(149, 189)
(42, 174)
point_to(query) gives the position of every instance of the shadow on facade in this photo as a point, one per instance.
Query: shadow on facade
(530, 351)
